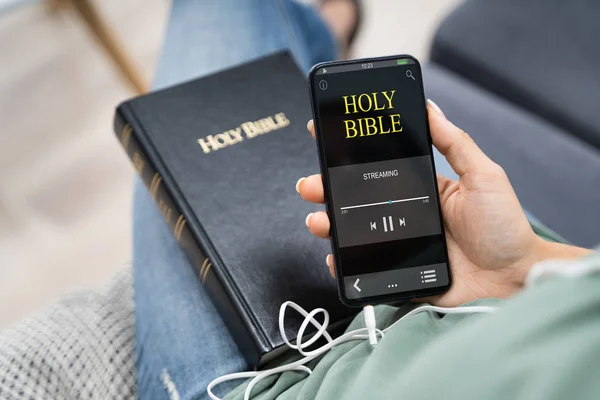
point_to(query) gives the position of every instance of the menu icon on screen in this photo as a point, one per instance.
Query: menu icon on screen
(428, 276)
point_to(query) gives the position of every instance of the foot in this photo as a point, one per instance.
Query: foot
(341, 17)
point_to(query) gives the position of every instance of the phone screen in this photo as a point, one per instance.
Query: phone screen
(380, 185)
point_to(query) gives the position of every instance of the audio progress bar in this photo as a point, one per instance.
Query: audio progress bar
(385, 202)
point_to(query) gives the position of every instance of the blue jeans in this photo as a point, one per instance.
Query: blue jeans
(181, 341)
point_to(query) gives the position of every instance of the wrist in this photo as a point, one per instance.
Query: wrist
(556, 250)
(542, 250)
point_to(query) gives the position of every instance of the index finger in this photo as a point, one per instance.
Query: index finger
(311, 128)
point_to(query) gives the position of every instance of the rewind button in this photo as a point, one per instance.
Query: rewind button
(428, 276)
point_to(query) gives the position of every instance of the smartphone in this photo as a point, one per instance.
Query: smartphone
(375, 152)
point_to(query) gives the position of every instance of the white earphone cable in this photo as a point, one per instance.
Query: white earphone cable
(370, 333)
(541, 271)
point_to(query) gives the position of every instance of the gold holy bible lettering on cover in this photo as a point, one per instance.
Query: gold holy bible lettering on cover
(247, 130)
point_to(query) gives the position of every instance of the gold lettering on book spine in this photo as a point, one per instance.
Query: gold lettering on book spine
(126, 136)
(178, 236)
(204, 270)
(154, 178)
(165, 210)
(205, 273)
(204, 264)
(154, 185)
(179, 227)
(138, 163)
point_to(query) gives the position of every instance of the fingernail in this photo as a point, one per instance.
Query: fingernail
(327, 260)
(308, 124)
(307, 218)
(298, 184)
(435, 107)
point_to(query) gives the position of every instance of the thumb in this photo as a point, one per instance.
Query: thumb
(460, 150)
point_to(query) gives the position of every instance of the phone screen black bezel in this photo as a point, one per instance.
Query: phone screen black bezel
(387, 298)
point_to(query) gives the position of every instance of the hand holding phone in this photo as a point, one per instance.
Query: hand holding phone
(491, 243)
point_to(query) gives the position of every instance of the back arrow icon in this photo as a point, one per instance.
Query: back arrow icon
(356, 284)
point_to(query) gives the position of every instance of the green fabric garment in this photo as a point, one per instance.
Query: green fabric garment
(541, 344)
(546, 233)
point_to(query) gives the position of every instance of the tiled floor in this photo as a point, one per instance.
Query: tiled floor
(65, 197)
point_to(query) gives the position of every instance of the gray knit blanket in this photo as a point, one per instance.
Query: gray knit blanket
(81, 347)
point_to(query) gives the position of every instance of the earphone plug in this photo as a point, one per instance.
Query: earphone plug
(370, 324)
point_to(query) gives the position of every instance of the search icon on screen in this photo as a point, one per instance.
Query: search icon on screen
(409, 74)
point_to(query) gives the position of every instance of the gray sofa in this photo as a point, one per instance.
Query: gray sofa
(523, 79)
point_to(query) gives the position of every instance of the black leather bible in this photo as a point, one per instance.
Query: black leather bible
(220, 156)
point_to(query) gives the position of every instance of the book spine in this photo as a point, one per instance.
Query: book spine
(178, 223)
